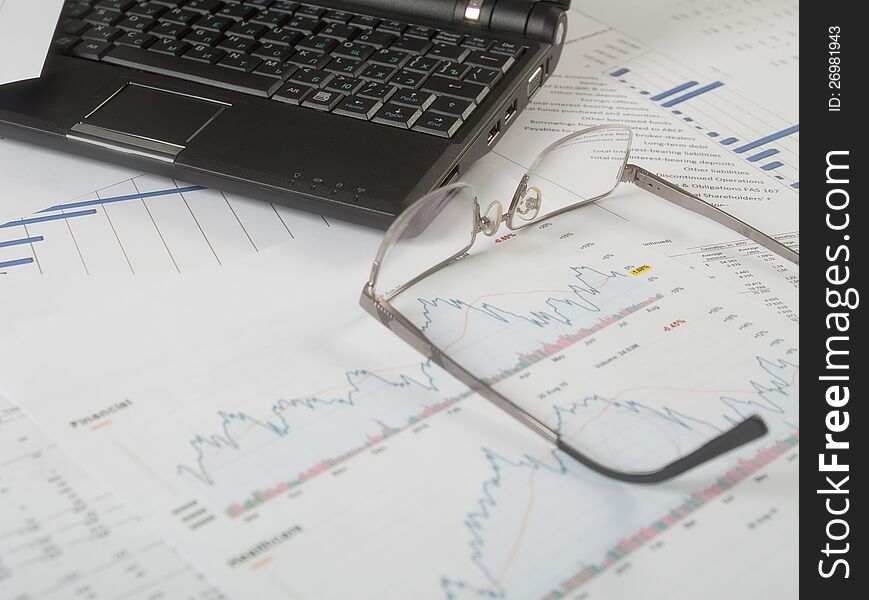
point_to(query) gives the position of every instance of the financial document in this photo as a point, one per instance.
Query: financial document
(64, 535)
(324, 470)
(26, 28)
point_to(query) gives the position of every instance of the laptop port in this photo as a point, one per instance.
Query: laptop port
(494, 132)
(511, 110)
(535, 81)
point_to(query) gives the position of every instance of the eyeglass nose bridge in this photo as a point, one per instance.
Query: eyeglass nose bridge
(490, 220)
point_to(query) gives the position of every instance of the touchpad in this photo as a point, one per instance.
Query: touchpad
(147, 119)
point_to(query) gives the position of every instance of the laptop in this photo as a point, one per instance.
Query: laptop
(351, 109)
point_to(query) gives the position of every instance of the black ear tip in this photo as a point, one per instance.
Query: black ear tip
(754, 426)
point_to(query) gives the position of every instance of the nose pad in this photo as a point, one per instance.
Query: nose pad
(528, 206)
(491, 218)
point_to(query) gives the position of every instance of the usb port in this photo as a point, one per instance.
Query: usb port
(511, 110)
(535, 81)
(494, 132)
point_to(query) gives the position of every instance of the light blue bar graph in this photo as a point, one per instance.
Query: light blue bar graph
(692, 94)
(99, 201)
(712, 134)
(762, 155)
(16, 262)
(33, 220)
(22, 242)
(770, 166)
(728, 141)
(769, 138)
(619, 72)
(679, 88)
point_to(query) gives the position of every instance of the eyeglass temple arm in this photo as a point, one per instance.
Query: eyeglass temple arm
(743, 432)
(685, 199)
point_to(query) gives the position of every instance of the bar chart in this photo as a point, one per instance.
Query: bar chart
(766, 141)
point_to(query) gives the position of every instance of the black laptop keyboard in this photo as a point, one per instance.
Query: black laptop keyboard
(398, 74)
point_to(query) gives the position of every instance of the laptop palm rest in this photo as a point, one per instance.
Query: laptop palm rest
(147, 121)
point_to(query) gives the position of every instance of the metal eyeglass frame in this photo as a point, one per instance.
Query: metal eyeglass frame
(522, 205)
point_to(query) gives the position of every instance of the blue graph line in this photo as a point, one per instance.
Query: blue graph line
(142, 195)
(278, 424)
(762, 155)
(692, 94)
(476, 521)
(619, 72)
(16, 262)
(770, 166)
(675, 90)
(540, 318)
(769, 138)
(21, 242)
(713, 134)
(33, 220)
(728, 141)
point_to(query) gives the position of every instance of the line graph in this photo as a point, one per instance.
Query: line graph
(371, 408)
(148, 224)
(521, 496)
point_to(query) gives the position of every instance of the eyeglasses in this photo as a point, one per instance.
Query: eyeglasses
(496, 349)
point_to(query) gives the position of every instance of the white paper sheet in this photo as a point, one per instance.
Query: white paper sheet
(26, 27)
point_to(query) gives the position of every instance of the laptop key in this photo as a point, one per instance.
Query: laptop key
(170, 47)
(457, 89)
(233, 43)
(377, 91)
(412, 45)
(476, 42)
(273, 52)
(421, 32)
(338, 31)
(92, 49)
(447, 37)
(248, 30)
(203, 6)
(215, 23)
(364, 22)
(438, 124)
(425, 64)
(447, 52)
(193, 71)
(378, 73)
(387, 56)
(136, 23)
(237, 12)
(292, 93)
(303, 24)
(73, 27)
(353, 50)
(284, 6)
(202, 37)
(397, 116)
(103, 17)
(317, 44)
(171, 31)
(277, 69)
(358, 107)
(408, 79)
(484, 75)
(508, 48)
(345, 66)
(337, 16)
(135, 39)
(64, 43)
(307, 58)
(239, 61)
(395, 27)
(413, 98)
(456, 107)
(345, 85)
(311, 77)
(147, 9)
(181, 16)
(205, 54)
(102, 33)
(270, 18)
(322, 100)
(282, 36)
(454, 70)
(492, 61)
(378, 39)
